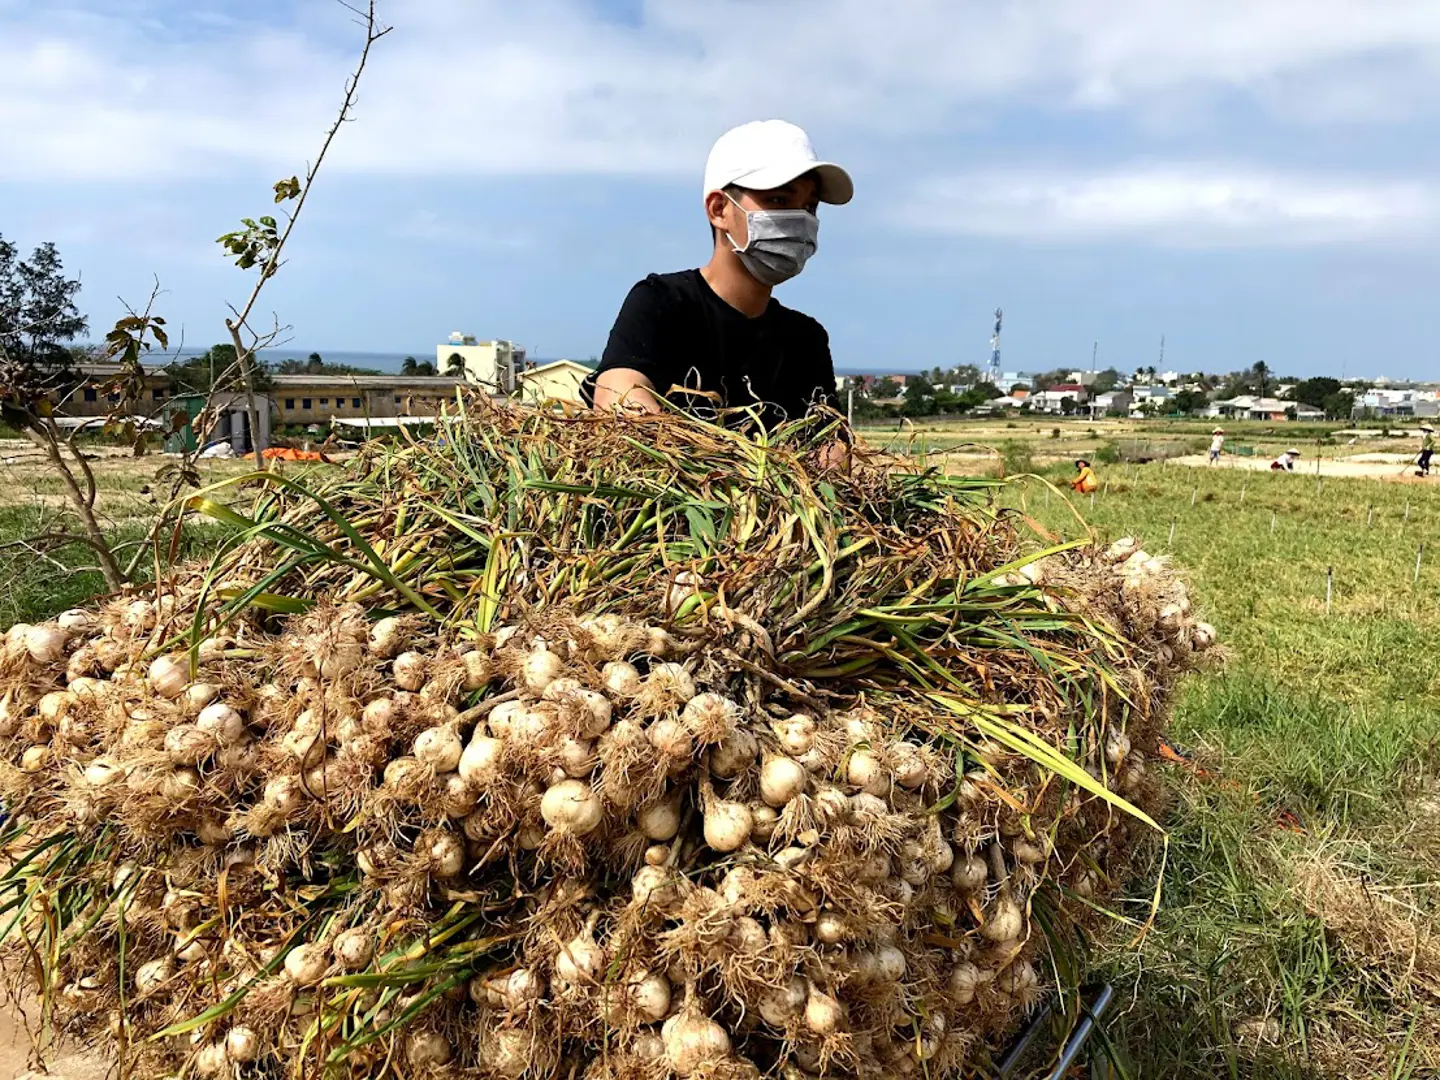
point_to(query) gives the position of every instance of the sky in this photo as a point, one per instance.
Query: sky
(1250, 179)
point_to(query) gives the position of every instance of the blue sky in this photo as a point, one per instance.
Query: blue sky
(1254, 179)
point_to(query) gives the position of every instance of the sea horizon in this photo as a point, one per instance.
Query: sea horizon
(389, 362)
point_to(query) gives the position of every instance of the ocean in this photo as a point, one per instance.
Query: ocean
(380, 361)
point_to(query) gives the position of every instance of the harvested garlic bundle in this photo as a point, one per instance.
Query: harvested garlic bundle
(734, 754)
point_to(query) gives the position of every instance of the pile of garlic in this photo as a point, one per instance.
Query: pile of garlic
(698, 875)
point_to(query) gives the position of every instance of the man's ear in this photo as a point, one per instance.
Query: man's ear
(715, 204)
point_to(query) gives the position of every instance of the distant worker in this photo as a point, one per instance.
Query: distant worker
(1286, 461)
(1427, 448)
(1084, 481)
(1217, 443)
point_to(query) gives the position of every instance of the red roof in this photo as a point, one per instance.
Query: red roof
(1068, 386)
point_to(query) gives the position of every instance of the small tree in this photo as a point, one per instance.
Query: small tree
(455, 366)
(407, 366)
(314, 364)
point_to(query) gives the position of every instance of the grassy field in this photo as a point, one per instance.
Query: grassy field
(1297, 936)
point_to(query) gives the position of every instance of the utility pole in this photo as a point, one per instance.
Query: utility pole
(1094, 352)
(995, 350)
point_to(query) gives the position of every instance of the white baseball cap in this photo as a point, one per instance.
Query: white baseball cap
(765, 154)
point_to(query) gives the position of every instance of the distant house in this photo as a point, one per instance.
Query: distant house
(1114, 401)
(1249, 407)
(553, 380)
(1053, 399)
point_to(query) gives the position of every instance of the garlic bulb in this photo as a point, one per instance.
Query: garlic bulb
(581, 960)
(673, 740)
(969, 873)
(573, 807)
(440, 748)
(102, 772)
(540, 668)
(965, 980)
(764, 820)
(782, 779)
(186, 744)
(796, 735)
(1202, 636)
(410, 670)
(710, 717)
(427, 1049)
(387, 638)
(910, 768)
(660, 820)
(1004, 921)
(693, 1041)
(210, 1060)
(734, 754)
(649, 995)
(1117, 745)
(242, 1045)
(169, 676)
(74, 621)
(221, 722)
(480, 763)
(672, 681)
(866, 771)
(200, 694)
(621, 678)
(445, 855)
(46, 644)
(727, 825)
(149, 977)
(824, 1015)
(307, 964)
(778, 1007)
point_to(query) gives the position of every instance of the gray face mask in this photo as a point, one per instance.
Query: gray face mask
(780, 243)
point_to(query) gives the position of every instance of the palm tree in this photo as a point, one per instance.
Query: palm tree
(407, 366)
(455, 366)
(1260, 370)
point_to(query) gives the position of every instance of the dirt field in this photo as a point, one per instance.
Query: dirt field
(15, 1050)
(1389, 467)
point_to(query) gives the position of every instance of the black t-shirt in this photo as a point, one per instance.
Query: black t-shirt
(675, 331)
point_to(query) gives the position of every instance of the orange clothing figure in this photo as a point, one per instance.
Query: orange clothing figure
(1085, 481)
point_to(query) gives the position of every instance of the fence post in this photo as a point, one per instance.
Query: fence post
(1329, 587)
(1171, 541)
(1272, 522)
(1193, 496)
(1242, 494)
(1419, 557)
(1370, 518)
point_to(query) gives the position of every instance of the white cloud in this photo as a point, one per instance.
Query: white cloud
(487, 86)
(1201, 206)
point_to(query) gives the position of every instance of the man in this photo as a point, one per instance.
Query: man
(1286, 461)
(1427, 448)
(716, 333)
(1084, 481)
(1217, 443)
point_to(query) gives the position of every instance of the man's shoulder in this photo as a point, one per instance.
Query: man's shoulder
(682, 286)
(797, 322)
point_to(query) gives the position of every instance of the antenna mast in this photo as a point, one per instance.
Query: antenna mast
(995, 349)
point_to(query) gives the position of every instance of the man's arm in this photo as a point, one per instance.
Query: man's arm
(639, 352)
(625, 388)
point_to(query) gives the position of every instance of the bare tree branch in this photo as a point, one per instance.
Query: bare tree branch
(373, 33)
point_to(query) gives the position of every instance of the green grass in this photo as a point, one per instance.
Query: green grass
(1319, 736)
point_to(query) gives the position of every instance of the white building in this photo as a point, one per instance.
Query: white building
(494, 365)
